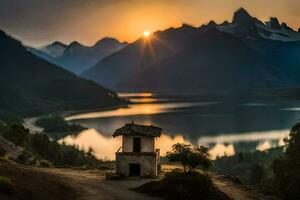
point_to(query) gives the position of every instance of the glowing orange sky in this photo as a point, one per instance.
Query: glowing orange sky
(40, 22)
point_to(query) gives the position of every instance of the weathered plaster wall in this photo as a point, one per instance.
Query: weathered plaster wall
(147, 161)
(147, 143)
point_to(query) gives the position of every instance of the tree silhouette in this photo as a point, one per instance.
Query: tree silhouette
(190, 157)
(287, 167)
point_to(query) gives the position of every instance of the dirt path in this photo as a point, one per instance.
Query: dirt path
(65, 184)
(91, 185)
(237, 191)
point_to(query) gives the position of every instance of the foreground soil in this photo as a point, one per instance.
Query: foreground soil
(72, 184)
(31, 184)
(67, 184)
(237, 191)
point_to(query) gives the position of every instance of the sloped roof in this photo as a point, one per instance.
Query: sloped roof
(137, 129)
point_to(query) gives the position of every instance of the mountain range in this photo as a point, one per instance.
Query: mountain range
(31, 86)
(76, 57)
(239, 56)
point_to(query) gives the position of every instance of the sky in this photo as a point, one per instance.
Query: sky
(39, 22)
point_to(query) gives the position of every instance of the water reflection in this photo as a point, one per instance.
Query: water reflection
(147, 100)
(141, 94)
(296, 109)
(219, 150)
(106, 146)
(257, 104)
(228, 124)
(143, 100)
(138, 109)
(245, 137)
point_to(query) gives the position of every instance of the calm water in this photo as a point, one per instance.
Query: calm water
(228, 124)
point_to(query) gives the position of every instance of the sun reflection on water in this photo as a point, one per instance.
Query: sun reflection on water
(143, 100)
(135, 109)
(142, 94)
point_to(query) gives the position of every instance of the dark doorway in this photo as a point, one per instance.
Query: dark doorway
(136, 144)
(134, 170)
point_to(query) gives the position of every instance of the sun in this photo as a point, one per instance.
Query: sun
(146, 33)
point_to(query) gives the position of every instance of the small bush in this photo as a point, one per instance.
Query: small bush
(6, 186)
(45, 163)
(178, 185)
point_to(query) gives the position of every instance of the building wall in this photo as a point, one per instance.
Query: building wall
(147, 161)
(147, 143)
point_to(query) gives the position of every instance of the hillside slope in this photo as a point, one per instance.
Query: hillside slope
(33, 86)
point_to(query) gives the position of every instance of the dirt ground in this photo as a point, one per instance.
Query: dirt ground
(64, 184)
(92, 185)
(237, 191)
(31, 184)
(67, 184)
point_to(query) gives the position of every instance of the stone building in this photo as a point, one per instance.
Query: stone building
(138, 156)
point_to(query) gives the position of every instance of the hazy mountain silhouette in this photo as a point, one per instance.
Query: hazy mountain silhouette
(55, 49)
(230, 57)
(77, 57)
(32, 86)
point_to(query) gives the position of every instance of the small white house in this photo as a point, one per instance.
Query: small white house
(138, 156)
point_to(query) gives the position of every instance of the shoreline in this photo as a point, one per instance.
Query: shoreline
(30, 122)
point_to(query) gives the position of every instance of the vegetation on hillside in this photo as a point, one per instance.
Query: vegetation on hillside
(275, 170)
(39, 147)
(9, 117)
(31, 86)
(250, 167)
(287, 167)
(55, 126)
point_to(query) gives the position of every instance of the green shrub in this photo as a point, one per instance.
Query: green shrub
(6, 185)
(45, 163)
(178, 185)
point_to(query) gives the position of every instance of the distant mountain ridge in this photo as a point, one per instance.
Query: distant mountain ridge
(55, 49)
(76, 57)
(31, 86)
(238, 57)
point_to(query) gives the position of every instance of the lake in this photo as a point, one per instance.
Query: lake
(227, 123)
